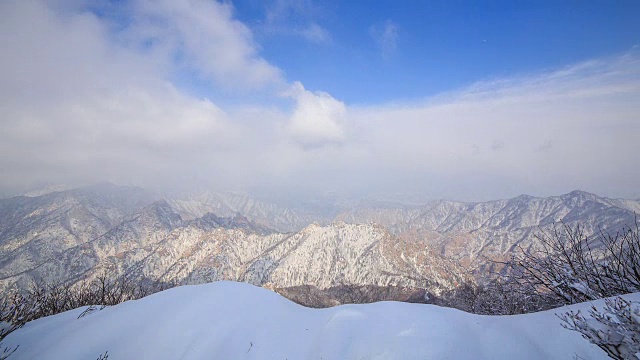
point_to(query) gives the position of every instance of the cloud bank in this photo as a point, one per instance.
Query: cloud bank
(204, 36)
(81, 102)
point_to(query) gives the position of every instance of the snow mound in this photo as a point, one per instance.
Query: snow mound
(226, 320)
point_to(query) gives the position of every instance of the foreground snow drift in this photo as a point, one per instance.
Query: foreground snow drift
(227, 321)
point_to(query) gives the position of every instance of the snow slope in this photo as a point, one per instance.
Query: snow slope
(226, 320)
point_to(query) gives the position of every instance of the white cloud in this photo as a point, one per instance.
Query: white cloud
(543, 134)
(78, 106)
(386, 37)
(79, 103)
(205, 37)
(318, 118)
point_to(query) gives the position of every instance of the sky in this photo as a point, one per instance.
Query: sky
(460, 100)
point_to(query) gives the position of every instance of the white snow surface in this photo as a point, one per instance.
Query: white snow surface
(227, 320)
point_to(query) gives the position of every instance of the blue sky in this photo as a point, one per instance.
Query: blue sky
(461, 100)
(439, 45)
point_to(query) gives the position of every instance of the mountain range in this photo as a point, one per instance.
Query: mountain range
(77, 234)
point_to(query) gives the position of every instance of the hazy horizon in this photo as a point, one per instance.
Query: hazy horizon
(329, 201)
(296, 99)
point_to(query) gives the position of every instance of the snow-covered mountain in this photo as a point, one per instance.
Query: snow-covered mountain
(474, 232)
(227, 320)
(76, 234)
(34, 230)
(155, 243)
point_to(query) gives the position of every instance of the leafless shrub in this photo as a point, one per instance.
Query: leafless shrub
(570, 267)
(43, 299)
(500, 297)
(615, 328)
(566, 268)
(15, 311)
